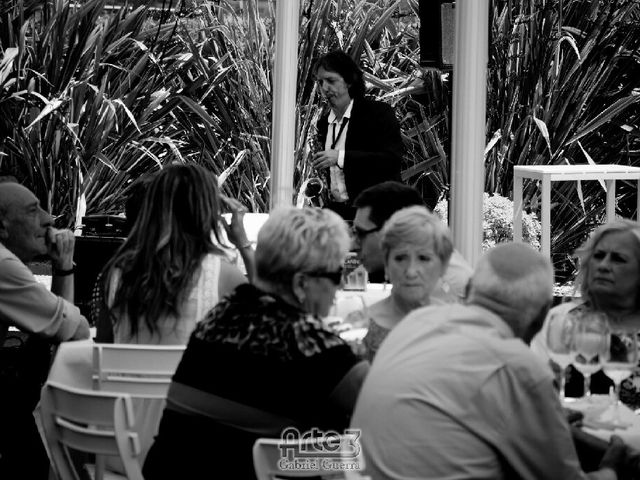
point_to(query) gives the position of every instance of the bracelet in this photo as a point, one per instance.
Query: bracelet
(63, 273)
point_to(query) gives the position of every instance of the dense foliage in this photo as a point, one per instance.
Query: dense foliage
(564, 87)
(91, 100)
(497, 222)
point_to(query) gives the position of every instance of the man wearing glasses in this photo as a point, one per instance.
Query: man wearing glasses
(374, 206)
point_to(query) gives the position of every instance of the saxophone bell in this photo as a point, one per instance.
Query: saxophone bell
(314, 187)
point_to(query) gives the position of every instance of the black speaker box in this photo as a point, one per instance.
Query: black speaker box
(437, 33)
(104, 226)
(91, 255)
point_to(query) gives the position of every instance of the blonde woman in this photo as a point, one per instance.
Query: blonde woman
(417, 247)
(262, 361)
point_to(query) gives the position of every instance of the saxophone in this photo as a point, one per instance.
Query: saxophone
(316, 187)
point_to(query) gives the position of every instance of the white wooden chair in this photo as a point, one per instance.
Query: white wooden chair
(268, 455)
(92, 422)
(140, 370)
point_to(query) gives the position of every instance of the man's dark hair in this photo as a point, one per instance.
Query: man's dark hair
(339, 62)
(387, 198)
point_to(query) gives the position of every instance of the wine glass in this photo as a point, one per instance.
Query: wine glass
(347, 303)
(559, 340)
(620, 360)
(353, 308)
(589, 347)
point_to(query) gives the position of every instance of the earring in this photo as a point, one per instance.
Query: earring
(300, 297)
(386, 277)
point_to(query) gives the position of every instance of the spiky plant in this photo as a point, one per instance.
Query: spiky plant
(92, 101)
(564, 80)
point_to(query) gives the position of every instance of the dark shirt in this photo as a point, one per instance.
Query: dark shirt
(373, 147)
(253, 367)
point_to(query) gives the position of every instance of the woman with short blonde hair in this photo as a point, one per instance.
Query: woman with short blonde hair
(417, 247)
(300, 240)
(417, 224)
(262, 361)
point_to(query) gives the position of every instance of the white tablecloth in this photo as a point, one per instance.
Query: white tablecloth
(598, 415)
(72, 365)
(348, 301)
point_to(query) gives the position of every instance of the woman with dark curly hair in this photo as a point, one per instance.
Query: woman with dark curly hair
(171, 269)
(262, 361)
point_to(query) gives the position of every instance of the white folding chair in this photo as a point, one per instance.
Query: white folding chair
(268, 455)
(93, 422)
(140, 370)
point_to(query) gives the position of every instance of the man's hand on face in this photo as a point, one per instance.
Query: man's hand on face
(61, 244)
(325, 159)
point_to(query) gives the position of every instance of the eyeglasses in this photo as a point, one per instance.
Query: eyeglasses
(335, 277)
(361, 233)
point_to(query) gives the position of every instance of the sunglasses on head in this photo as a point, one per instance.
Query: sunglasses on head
(335, 276)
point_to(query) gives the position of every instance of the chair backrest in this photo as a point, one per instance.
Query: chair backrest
(88, 421)
(140, 370)
(275, 458)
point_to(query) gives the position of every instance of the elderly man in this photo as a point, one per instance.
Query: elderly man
(25, 233)
(374, 207)
(455, 391)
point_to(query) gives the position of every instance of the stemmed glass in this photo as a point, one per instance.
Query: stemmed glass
(353, 309)
(621, 359)
(589, 347)
(559, 339)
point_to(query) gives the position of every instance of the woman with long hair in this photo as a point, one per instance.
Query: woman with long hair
(172, 268)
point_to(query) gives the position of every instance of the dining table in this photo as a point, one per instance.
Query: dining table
(73, 364)
(599, 412)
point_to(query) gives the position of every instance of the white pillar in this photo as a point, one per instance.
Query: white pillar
(284, 102)
(469, 118)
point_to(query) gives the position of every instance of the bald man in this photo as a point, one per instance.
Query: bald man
(25, 233)
(455, 391)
